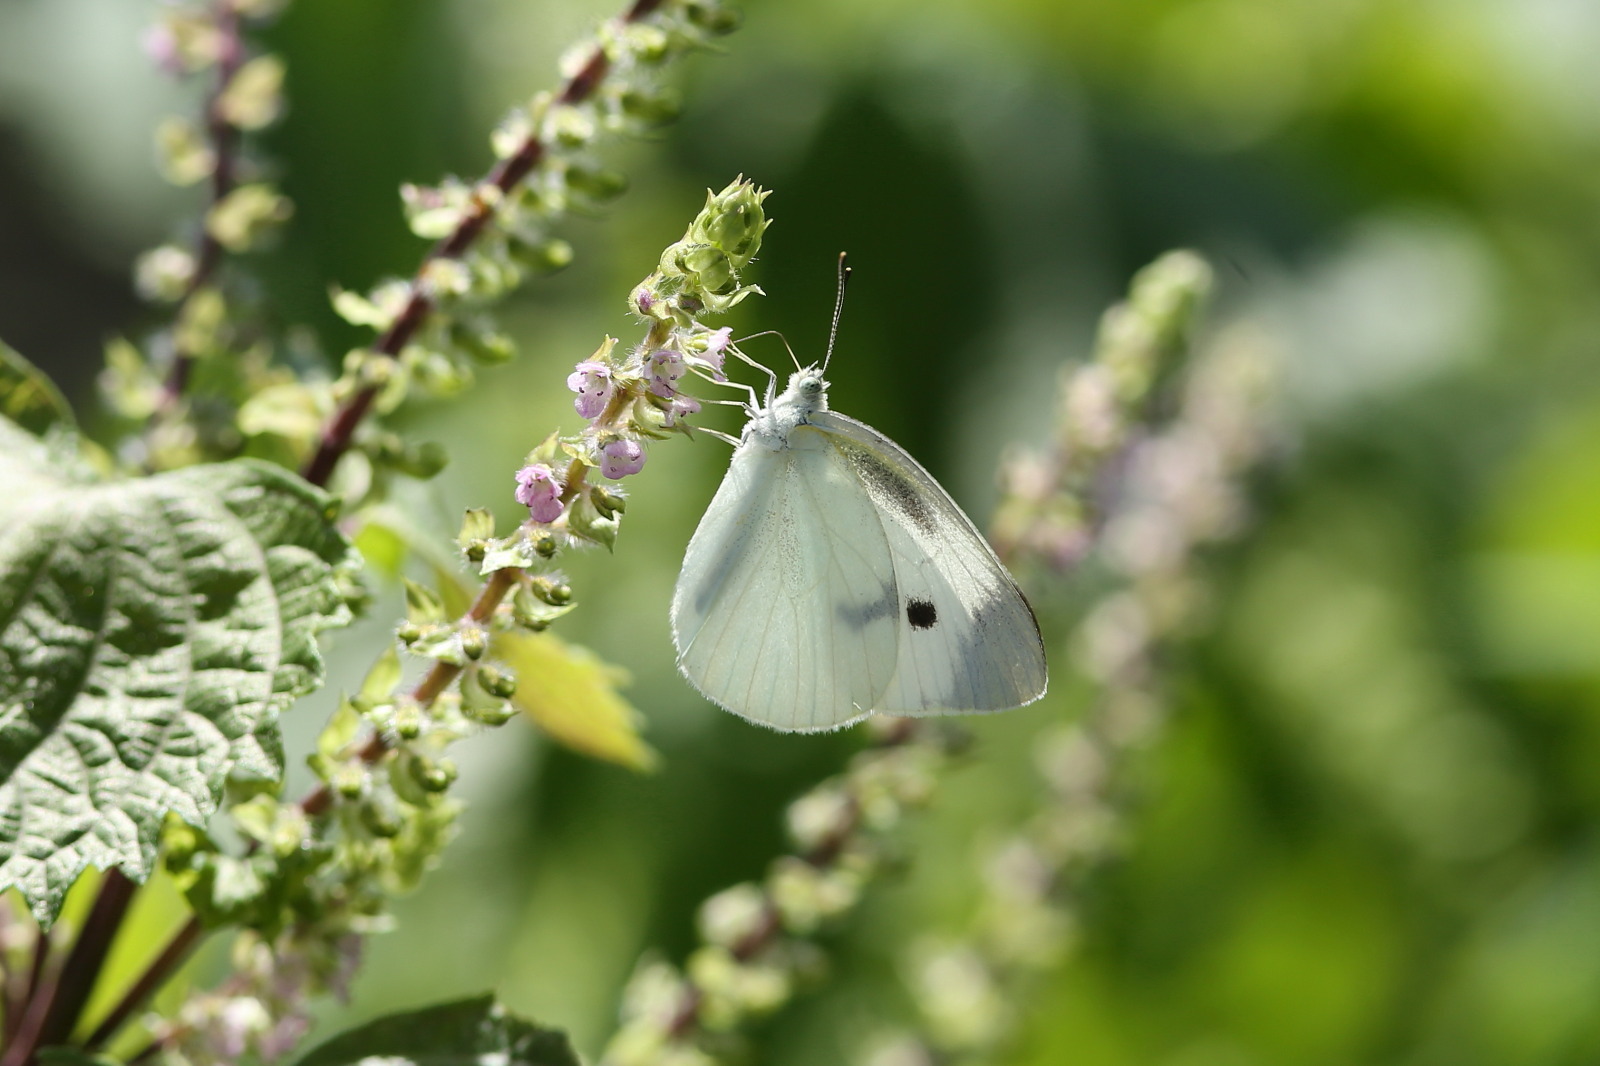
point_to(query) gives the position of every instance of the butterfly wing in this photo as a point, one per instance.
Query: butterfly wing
(786, 610)
(966, 639)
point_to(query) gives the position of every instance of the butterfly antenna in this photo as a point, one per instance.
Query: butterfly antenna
(838, 309)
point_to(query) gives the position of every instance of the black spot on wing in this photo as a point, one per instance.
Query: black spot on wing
(922, 614)
(887, 486)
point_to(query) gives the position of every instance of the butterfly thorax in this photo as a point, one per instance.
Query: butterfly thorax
(806, 395)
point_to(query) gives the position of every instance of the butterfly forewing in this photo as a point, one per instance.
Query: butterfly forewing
(966, 639)
(786, 611)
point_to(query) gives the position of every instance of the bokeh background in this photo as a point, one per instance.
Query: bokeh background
(1369, 833)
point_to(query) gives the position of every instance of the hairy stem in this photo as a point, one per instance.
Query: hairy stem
(340, 429)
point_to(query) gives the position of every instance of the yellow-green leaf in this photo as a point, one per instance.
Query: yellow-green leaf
(572, 694)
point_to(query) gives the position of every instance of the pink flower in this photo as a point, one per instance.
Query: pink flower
(621, 458)
(666, 367)
(539, 490)
(717, 351)
(680, 406)
(644, 300)
(592, 382)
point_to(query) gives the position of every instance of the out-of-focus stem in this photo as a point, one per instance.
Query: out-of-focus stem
(340, 429)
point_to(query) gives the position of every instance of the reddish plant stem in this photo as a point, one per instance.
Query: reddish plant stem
(430, 688)
(340, 429)
(19, 986)
(224, 137)
(60, 998)
(155, 975)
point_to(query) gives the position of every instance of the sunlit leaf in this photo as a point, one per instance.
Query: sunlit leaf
(151, 630)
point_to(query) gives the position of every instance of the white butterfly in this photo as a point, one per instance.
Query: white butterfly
(832, 577)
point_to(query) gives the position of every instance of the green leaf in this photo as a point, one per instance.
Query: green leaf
(466, 1033)
(27, 397)
(151, 630)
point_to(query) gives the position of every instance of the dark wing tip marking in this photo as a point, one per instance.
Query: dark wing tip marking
(887, 485)
(922, 614)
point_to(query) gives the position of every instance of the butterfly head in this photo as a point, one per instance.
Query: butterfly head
(807, 392)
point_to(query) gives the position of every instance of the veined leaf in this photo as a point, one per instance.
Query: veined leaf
(151, 630)
(470, 1032)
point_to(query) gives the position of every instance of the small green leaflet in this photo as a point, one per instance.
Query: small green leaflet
(151, 630)
(469, 1032)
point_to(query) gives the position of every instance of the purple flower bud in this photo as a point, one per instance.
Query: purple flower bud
(592, 382)
(539, 490)
(644, 300)
(681, 406)
(621, 458)
(666, 367)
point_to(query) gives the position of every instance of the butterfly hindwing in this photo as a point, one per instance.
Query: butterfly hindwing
(786, 611)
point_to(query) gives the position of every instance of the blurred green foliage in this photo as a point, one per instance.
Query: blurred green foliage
(1369, 833)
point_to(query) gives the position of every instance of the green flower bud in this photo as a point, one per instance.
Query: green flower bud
(240, 218)
(381, 819)
(599, 186)
(703, 268)
(477, 526)
(531, 612)
(733, 221)
(497, 681)
(183, 153)
(432, 775)
(555, 593)
(408, 721)
(711, 17)
(609, 504)
(474, 642)
(253, 98)
(421, 461)
(543, 257)
(164, 273)
(349, 781)
(423, 605)
(650, 108)
(409, 632)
